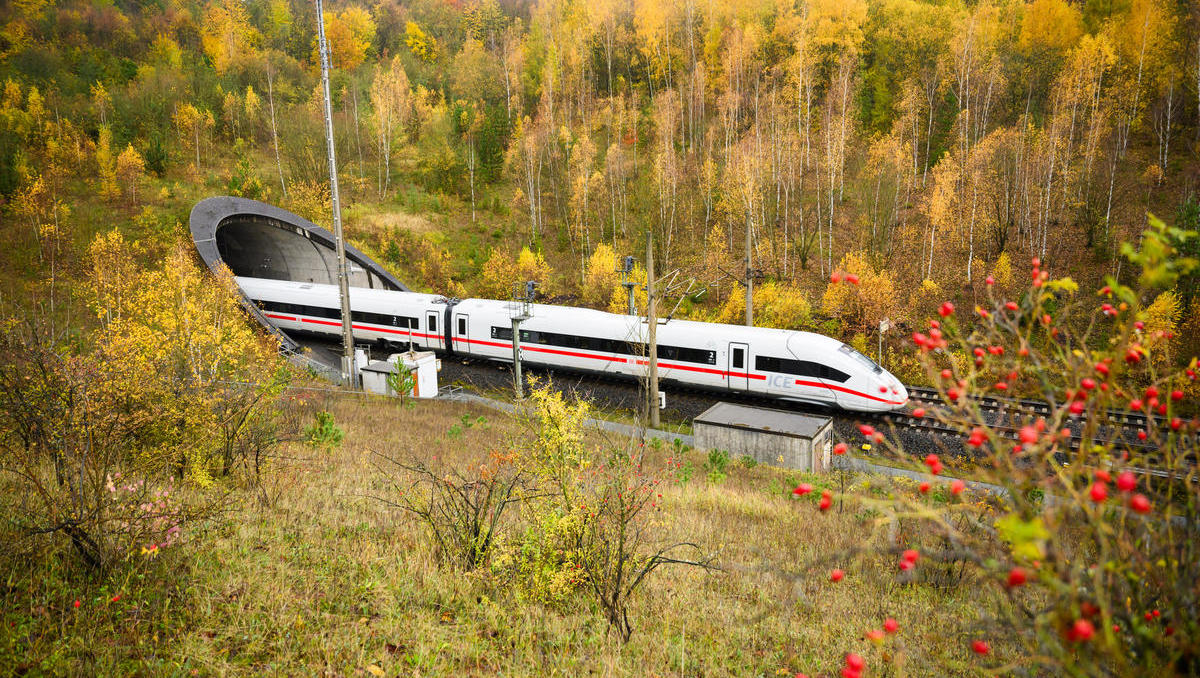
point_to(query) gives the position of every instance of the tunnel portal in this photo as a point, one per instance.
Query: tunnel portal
(257, 240)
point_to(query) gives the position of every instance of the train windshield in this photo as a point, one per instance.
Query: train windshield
(867, 362)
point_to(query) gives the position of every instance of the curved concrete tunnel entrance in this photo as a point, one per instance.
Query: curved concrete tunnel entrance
(260, 247)
(257, 240)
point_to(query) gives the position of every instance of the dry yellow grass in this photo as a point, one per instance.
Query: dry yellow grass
(369, 221)
(328, 580)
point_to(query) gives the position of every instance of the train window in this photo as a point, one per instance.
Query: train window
(383, 319)
(462, 326)
(799, 368)
(739, 358)
(688, 355)
(867, 362)
(433, 323)
(679, 353)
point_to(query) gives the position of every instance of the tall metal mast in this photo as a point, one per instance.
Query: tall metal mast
(349, 372)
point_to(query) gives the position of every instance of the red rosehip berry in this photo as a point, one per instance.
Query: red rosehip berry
(981, 647)
(891, 625)
(802, 489)
(1029, 435)
(957, 487)
(835, 278)
(840, 448)
(852, 279)
(1082, 630)
(1017, 577)
(866, 429)
(76, 604)
(836, 575)
(946, 309)
(1126, 481)
(919, 412)
(923, 488)
(910, 555)
(826, 501)
(1176, 395)
(1099, 492)
(1140, 503)
(875, 636)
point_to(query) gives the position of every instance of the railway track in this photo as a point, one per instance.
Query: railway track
(918, 435)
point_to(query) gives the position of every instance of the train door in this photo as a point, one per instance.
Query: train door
(461, 341)
(739, 366)
(432, 334)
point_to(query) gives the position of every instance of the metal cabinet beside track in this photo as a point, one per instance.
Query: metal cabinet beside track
(774, 437)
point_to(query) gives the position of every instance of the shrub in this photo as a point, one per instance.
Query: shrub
(1084, 563)
(717, 465)
(172, 389)
(601, 505)
(324, 432)
(462, 512)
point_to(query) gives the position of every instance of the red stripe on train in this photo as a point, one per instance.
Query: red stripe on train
(574, 354)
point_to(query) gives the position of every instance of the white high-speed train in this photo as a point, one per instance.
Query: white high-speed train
(783, 364)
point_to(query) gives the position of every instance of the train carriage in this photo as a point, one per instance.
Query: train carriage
(784, 364)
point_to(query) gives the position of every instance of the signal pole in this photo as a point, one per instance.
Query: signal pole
(626, 270)
(522, 310)
(349, 372)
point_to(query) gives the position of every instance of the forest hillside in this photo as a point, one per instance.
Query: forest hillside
(921, 146)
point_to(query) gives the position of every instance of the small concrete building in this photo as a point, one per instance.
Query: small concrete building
(773, 437)
(422, 365)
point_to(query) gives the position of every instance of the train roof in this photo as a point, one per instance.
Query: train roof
(358, 293)
(582, 318)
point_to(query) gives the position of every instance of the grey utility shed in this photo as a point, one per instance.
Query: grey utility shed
(774, 437)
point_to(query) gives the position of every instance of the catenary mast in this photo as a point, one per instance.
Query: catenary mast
(349, 372)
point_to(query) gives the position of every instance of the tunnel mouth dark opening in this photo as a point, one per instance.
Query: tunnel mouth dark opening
(259, 246)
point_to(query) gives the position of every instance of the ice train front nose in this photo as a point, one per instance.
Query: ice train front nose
(885, 393)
